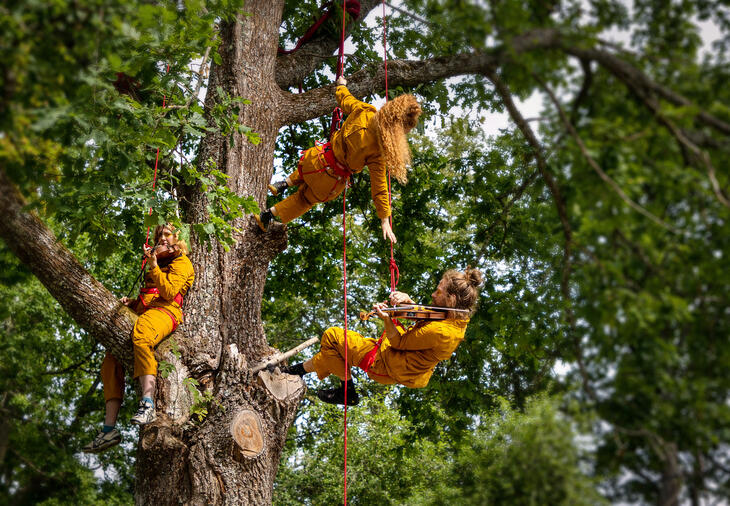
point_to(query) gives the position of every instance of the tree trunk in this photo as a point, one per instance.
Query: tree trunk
(232, 456)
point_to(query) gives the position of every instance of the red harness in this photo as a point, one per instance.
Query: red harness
(178, 298)
(367, 361)
(340, 171)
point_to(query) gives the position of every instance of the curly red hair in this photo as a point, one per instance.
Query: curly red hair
(394, 120)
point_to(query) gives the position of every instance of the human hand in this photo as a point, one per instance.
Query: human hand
(150, 256)
(378, 308)
(127, 301)
(387, 231)
(397, 298)
(341, 81)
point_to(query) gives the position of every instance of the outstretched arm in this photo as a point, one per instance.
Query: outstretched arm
(346, 100)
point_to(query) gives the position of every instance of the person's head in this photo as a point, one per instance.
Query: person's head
(459, 290)
(394, 120)
(168, 235)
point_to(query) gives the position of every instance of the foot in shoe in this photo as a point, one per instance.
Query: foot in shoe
(278, 188)
(337, 396)
(145, 414)
(264, 219)
(103, 441)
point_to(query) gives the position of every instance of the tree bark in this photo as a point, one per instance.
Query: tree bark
(93, 307)
(232, 456)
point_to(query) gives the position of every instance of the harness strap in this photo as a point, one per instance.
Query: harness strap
(168, 313)
(367, 361)
(178, 298)
(327, 159)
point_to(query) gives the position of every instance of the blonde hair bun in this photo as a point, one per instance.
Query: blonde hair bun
(473, 277)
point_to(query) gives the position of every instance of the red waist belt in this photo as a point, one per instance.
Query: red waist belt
(178, 298)
(369, 358)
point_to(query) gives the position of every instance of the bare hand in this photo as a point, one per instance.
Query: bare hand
(150, 255)
(341, 81)
(127, 301)
(378, 308)
(397, 298)
(387, 231)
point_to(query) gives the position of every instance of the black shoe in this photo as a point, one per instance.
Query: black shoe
(264, 219)
(296, 369)
(278, 188)
(337, 396)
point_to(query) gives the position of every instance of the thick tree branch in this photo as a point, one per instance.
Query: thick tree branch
(639, 82)
(605, 177)
(506, 96)
(291, 69)
(320, 101)
(91, 305)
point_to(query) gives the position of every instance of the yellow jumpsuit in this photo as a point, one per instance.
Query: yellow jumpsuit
(155, 323)
(355, 145)
(408, 359)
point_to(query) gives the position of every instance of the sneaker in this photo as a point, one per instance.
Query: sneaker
(145, 414)
(278, 188)
(102, 441)
(264, 219)
(337, 396)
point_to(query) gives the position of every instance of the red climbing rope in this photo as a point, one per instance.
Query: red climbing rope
(394, 271)
(337, 114)
(154, 177)
(353, 10)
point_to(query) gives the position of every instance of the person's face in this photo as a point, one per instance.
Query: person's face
(167, 237)
(440, 297)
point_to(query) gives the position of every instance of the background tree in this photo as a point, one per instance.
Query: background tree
(602, 229)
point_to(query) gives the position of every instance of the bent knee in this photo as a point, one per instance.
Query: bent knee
(331, 336)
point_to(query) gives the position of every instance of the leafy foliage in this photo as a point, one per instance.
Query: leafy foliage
(643, 353)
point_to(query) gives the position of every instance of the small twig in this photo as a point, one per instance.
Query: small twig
(409, 14)
(605, 177)
(76, 365)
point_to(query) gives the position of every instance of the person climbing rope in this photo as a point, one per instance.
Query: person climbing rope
(159, 304)
(368, 137)
(407, 357)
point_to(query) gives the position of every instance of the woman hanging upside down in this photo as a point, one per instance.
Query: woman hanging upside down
(160, 308)
(407, 357)
(376, 139)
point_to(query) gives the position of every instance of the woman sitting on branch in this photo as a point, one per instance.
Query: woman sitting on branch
(159, 305)
(376, 139)
(407, 357)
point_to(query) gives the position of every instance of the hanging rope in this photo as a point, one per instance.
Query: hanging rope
(154, 185)
(337, 121)
(353, 10)
(157, 159)
(394, 271)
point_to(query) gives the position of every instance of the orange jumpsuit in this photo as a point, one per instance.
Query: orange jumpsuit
(355, 145)
(408, 359)
(157, 312)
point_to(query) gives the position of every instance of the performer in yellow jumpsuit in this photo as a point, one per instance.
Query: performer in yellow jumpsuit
(376, 139)
(160, 308)
(407, 357)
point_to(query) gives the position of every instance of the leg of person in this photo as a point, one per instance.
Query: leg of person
(152, 327)
(294, 205)
(112, 377)
(279, 187)
(331, 360)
